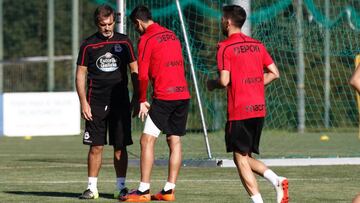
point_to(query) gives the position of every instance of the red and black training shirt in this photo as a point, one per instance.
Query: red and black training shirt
(160, 60)
(106, 61)
(245, 58)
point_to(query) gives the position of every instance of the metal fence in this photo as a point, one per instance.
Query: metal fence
(31, 74)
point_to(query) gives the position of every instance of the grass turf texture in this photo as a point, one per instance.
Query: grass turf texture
(53, 169)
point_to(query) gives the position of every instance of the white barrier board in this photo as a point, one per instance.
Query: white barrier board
(41, 114)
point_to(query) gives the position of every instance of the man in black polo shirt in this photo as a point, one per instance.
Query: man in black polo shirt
(103, 60)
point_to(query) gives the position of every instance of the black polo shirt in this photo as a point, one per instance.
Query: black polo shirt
(106, 61)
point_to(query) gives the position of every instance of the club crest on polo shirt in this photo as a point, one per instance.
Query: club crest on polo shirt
(108, 62)
(117, 48)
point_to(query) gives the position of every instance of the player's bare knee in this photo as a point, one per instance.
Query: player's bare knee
(173, 141)
(96, 149)
(147, 140)
(242, 159)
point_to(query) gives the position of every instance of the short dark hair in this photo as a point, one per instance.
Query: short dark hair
(236, 14)
(141, 13)
(103, 11)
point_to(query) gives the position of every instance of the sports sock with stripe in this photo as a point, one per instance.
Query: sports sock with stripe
(120, 183)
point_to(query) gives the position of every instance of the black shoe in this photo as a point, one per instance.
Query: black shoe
(119, 194)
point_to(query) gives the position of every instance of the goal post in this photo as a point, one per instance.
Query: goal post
(208, 150)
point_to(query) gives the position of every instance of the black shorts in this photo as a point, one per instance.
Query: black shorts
(170, 116)
(117, 119)
(243, 135)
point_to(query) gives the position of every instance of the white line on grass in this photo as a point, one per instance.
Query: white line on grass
(301, 161)
(228, 163)
(184, 180)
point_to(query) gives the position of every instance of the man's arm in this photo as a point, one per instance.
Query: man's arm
(221, 82)
(135, 82)
(223, 65)
(273, 74)
(144, 63)
(134, 71)
(81, 72)
(355, 79)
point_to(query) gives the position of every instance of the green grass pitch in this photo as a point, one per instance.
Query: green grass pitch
(53, 169)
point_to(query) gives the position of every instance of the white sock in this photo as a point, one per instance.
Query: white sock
(257, 198)
(144, 186)
(271, 177)
(120, 183)
(169, 186)
(92, 184)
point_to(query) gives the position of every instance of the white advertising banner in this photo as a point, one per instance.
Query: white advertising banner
(41, 114)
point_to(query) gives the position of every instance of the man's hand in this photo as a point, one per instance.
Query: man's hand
(144, 108)
(135, 105)
(86, 111)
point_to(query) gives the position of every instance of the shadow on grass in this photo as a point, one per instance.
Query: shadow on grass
(56, 194)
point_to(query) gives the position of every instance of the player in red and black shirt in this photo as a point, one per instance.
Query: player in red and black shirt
(160, 62)
(103, 61)
(245, 67)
